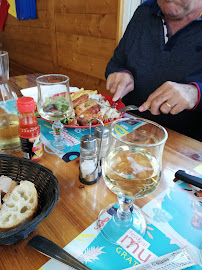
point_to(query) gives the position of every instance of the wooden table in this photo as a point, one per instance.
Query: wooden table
(78, 206)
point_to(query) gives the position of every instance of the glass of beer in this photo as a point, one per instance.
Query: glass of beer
(131, 170)
(9, 119)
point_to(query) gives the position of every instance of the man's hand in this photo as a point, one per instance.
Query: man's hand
(120, 84)
(172, 98)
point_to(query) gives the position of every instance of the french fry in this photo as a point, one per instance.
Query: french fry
(81, 92)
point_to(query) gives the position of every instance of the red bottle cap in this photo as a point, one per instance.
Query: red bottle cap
(26, 104)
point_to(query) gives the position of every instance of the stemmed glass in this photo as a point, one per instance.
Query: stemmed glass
(54, 104)
(131, 170)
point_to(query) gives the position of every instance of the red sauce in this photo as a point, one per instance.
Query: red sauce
(29, 130)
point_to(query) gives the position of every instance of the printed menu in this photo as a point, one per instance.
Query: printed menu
(174, 220)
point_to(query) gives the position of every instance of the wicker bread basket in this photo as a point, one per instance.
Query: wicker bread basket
(47, 186)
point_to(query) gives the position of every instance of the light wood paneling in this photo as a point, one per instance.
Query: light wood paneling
(99, 48)
(16, 69)
(42, 21)
(74, 37)
(97, 25)
(119, 20)
(39, 51)
(34, 63)
(27, 33)
(86, 64)
(79, 79)
(87, 6)
(42, 4)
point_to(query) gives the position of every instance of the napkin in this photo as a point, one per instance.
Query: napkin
(33, 92)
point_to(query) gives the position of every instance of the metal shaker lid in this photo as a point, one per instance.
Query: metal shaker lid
(98, 132)
(88, 142)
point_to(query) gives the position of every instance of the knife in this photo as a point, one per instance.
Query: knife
(52, 250)
(190, 179)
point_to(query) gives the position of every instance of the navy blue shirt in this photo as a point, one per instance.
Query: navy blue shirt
(152, 61)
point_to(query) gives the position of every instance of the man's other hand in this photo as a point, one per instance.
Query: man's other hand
(172, 98)
(120, 84)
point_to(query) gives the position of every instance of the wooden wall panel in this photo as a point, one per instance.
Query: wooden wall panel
(84, 45)
(32, 49)
(28, 42)
(42, 21)
(33, 63)
(79, 79)
(74, 37)
(96, 25)
(29, 34)
(42, 4)
(87, 6)
(85, 54)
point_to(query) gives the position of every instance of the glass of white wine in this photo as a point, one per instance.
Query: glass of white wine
(54, 104)
(131, 170)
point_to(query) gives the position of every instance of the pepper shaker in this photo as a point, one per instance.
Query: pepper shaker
(102, 135)
(88, 170)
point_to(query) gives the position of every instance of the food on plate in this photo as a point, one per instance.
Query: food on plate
(81, 92)
(88, 104)
(19, 205)
(56, 103)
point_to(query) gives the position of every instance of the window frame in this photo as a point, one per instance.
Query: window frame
(129, 7)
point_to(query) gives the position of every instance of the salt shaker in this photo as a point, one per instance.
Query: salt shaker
(102, 135)
(88, 170)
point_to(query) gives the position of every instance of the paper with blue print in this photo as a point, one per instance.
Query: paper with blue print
(73, 137)
(169, 228)
(177, 212)
(174, 220)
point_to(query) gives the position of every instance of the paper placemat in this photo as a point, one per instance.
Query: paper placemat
(170, 226)
(73, 137)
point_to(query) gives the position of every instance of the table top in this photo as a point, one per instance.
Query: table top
(79, 205)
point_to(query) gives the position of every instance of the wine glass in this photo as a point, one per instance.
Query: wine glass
(54, 104)
(131, 170)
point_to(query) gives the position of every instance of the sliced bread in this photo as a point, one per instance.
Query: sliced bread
(19, 206)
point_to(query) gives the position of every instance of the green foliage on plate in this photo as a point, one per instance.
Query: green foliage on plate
(57, 103)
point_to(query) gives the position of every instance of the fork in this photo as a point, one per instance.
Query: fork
(128, 108)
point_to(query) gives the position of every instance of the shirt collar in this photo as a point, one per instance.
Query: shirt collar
(156, 10)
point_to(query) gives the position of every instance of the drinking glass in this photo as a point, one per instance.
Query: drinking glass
(54, 104)
(131, 170)
(9, 118)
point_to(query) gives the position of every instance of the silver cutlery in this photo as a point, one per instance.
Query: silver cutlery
(50, 249)
(128, 108)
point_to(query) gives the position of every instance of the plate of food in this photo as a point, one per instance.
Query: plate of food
(88, 104)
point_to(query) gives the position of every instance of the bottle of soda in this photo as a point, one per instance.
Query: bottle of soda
(29, 129)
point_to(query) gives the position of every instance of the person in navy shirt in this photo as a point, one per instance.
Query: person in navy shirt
(158, 64)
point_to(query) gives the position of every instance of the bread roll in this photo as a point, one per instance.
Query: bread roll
(19, 206)
(5, 183)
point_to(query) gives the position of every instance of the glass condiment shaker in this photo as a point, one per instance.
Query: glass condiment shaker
(9, 118)
(102, 135)
(88, 160)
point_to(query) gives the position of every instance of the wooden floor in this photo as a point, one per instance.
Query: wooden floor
(16, 69)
